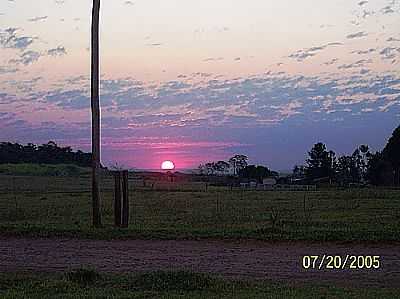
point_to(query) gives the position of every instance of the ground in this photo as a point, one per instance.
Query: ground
(49, 206)
(245, 259)
(251, 242)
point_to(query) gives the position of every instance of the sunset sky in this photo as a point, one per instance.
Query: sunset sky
(198, 81)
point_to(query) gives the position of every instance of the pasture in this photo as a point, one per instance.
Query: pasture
(86, 283)
(55, 206)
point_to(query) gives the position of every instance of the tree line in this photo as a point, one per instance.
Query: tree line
(323, 165)
(361, 167)
(237, 166)
(49, 153)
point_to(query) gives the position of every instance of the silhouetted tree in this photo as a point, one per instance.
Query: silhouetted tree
(391, 154)
(49, 153)
(299, 172)
(364, 155)
(257, 173)
(322, 163)
(221, 167)
(379, 171)
(30, 153)
(202, 169)
(238, 162)
(11, 153)
(347, 170)
(210, 168)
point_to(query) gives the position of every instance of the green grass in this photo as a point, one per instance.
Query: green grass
(61, 206)
(167, 285)
(26, 169)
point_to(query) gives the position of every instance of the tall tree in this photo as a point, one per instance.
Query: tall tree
(299, 172)
(365, 154)
(347, 170)
(391, 153)
(238, 162)
(379, 171)
(221, 167)
(202, 169)
(95, 105)
(321, 163)
(210, 168)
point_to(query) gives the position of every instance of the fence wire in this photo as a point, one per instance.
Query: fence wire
(65, 202)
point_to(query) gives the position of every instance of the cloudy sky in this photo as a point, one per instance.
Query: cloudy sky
(196, 81)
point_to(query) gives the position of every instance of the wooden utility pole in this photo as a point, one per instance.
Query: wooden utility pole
(95, 105)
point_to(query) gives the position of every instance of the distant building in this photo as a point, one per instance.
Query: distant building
(269, 182)
(253, 184)
(244, 185)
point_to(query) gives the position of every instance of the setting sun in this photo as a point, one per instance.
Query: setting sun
(167, 165)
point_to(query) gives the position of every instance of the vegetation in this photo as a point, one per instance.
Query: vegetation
(43, 170)
(321, 162)
(379, 169)
(391, 155)
(51, 206)
(233, 166)
(180, 284)
(257, 173)
(83, 276)
(237, 166)
(362, 167)
(49, 153)
(238, 162)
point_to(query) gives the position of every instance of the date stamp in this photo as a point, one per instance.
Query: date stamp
(337, 262)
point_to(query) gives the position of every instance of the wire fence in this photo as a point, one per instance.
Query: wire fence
(53, 202)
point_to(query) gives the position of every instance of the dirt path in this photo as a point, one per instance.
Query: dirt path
(279, 261)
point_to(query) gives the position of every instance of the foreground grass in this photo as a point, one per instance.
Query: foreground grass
(48, 206)
(90, 284)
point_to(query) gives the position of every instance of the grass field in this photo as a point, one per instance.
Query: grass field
(32, 205)
(42, 170)
(89, 284)
(61, 206)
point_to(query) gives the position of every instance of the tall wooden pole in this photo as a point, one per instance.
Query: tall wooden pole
(96, 201)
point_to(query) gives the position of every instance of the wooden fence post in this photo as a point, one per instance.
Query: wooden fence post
(125, 199)
(117, 199)
(15, 196)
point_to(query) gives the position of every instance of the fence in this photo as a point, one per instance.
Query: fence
(65, 203)
(277, 187)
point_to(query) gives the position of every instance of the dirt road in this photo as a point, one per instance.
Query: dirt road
(277, 261)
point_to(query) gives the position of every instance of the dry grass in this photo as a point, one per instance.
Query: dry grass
(62, 205)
